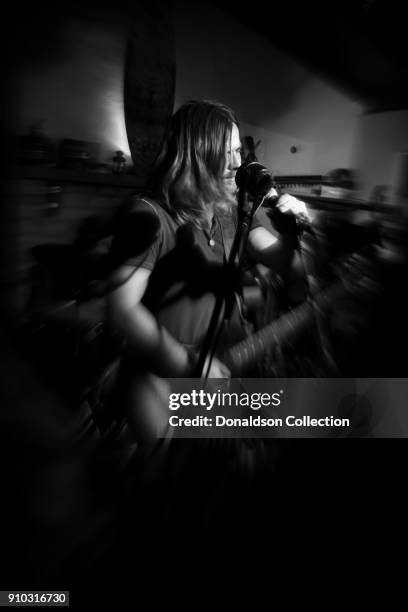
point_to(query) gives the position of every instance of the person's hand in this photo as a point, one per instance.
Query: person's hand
(219, 377)
(288, 204)
(288, 213)
(218, 369)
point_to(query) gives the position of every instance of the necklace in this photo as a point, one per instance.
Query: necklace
(209, 234)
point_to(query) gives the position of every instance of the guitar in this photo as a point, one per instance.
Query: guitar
(247, 353)
(150, 396)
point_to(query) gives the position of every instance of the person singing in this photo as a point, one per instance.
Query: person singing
(169, 253)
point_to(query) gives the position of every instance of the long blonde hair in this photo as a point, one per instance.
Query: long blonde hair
(186, 174)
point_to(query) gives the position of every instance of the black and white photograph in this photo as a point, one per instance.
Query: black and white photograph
(204, 322)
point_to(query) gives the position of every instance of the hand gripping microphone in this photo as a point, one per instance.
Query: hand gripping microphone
(258, 182)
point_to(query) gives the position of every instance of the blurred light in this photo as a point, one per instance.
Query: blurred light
(114, 130)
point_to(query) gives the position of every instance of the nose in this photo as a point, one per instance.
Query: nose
(235, 160)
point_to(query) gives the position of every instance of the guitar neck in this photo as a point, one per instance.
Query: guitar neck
(247, 353)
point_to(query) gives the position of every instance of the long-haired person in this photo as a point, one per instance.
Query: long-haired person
(170, 250)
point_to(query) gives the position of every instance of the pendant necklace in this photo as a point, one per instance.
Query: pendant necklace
(210, 239)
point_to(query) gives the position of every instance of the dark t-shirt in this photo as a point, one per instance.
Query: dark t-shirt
(187, 271)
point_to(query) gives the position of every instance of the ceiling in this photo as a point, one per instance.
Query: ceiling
(359, 46)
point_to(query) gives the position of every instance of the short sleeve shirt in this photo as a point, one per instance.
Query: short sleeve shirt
(187, 269)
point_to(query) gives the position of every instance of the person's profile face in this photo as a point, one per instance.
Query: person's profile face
(232, 160)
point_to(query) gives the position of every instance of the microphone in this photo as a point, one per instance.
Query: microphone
(258, 182)
(255, 179)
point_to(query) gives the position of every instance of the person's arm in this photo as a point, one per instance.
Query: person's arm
(157, 349)
(276, 248)
(152, 343)
(274, 251)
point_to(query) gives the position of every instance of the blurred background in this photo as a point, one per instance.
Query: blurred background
(318, 93)
(322, 96)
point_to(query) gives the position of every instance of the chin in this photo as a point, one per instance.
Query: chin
(229, 191)
(231, 188)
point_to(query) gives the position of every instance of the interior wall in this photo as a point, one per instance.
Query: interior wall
(71, 78)
(278, 101)
(75, 86)
(381, 139)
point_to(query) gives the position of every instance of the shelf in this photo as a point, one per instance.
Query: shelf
(326, 202)
(68, 175)
(342, 205)
(52, 174)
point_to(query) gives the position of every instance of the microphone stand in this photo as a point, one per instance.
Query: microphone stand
(246, 211)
